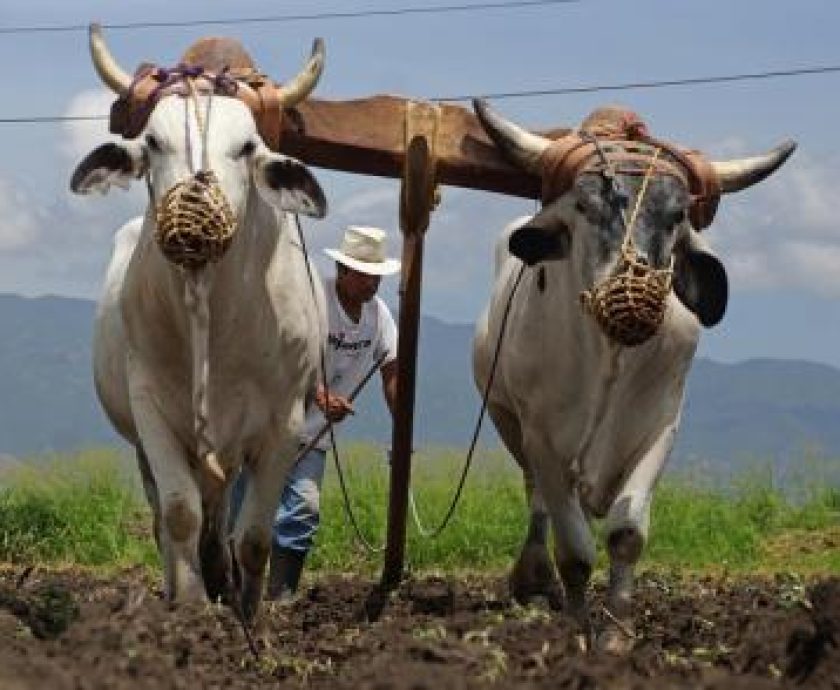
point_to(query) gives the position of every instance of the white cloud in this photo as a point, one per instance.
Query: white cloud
(20, 219)
(785, 232)
(52, 241)
(378, 201)
(83, 136)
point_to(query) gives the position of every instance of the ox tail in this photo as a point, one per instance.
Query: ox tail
(197, 301)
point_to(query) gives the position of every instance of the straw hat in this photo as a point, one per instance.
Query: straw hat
(363, 250)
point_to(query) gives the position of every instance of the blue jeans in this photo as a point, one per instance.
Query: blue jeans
(299, 512)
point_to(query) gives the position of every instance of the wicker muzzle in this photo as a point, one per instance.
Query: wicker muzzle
(195, 224)
(629, 305)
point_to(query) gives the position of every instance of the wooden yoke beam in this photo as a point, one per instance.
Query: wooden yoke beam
(367, 136)
(422, 122)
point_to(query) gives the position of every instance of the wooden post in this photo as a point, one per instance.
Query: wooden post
(416, 201)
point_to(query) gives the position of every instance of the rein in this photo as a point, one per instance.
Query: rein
(328, 425)
(431, 533)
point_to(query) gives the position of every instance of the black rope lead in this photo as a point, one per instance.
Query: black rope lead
(329, 427)
(432, 533)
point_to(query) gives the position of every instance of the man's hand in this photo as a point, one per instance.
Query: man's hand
(336, 408)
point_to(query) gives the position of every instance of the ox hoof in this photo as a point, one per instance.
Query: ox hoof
(534, 577)
(617, 638)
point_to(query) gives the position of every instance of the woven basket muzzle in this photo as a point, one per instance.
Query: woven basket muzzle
(195, 224)
(629, 305)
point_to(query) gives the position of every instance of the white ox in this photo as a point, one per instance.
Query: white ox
(591, 421)
(206, 368)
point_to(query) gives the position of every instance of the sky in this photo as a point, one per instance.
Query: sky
(779, 240)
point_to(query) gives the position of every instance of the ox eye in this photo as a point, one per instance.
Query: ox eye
(152, 143)
(247, 149)
(678, 217)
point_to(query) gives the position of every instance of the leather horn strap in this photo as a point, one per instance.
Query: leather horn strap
(130, 114)
(630, 151)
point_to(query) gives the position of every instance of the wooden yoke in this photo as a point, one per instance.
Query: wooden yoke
(367, 136)
(416, 201)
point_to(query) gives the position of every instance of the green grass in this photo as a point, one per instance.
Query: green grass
(485, 531)
(82, 509)
(87, 509)
(737, 530)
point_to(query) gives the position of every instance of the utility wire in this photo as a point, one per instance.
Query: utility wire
(44, 119)
(276, 19)
(751, 76)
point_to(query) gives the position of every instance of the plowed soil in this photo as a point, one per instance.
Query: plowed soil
(75, 630)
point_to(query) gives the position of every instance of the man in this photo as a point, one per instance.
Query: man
(361, 330)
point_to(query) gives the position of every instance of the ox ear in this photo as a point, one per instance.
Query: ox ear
(108, 164)
(543, 238)
(700, 281)
(287, 184)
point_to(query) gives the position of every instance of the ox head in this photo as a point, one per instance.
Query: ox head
(626, 210)
(198, 134)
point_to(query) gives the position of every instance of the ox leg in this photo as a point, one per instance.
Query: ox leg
(213, 554)
(627, 525)
(533, 574)
(575, 555)
(179, 502)
(150, 489)
(573, 541)
(252, 532)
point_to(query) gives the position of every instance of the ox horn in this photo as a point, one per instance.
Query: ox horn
(739, 174)
(294, 91)
(106, 66)
(519, 145)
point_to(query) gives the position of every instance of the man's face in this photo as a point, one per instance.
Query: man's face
(356, 286)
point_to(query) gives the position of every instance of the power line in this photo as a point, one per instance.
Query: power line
(750, 76)
(42, 119)
(692, 81)
(276, 19)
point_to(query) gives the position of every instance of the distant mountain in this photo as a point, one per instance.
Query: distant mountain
(764, 411)
(7, 463)
(47, 400)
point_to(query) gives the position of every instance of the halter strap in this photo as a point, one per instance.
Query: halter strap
(630, 150)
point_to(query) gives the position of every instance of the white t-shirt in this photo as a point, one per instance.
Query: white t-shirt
(350, 351)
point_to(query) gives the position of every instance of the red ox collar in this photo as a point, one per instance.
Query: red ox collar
(624, 137)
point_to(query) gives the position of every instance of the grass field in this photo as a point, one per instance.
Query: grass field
(87, 509)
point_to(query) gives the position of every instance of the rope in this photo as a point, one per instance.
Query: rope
(610, 173)
(628, 235)
(348, 508)
(629, 304)
(203, 125)
(436, 531)
(350, 398)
